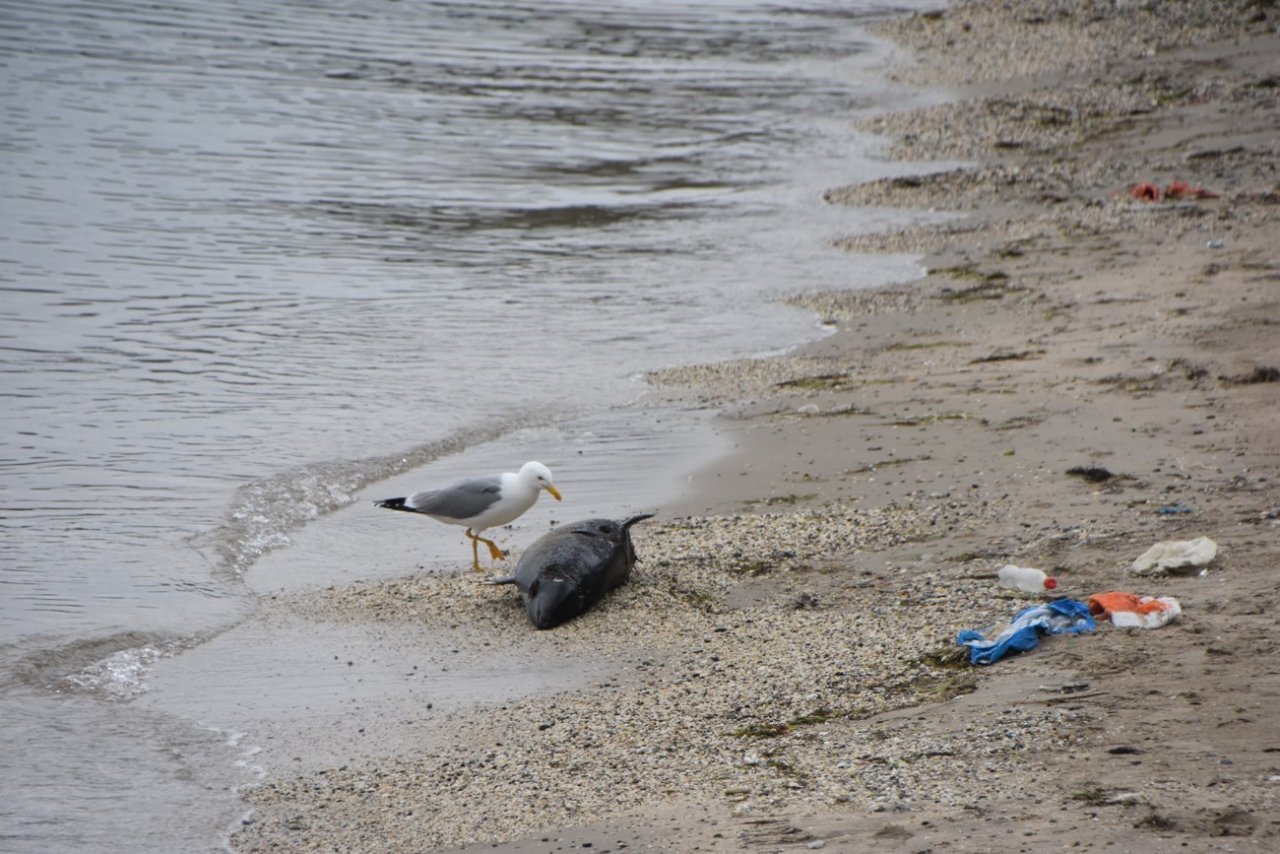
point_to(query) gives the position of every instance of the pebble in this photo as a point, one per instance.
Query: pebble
(756, 692)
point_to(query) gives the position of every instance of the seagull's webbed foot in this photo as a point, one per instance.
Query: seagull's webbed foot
(494, 552)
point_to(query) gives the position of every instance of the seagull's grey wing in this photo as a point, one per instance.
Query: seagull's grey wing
(461, 501)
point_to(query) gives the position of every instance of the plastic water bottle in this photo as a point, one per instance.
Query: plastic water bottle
(1025, 578)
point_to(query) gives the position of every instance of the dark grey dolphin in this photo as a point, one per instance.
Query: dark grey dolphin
(570, 568)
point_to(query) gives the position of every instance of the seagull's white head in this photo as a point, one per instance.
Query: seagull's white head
(536, 474)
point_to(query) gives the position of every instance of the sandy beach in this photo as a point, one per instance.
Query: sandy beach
(782, 674)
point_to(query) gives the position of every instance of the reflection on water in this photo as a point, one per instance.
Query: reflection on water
(257, 255)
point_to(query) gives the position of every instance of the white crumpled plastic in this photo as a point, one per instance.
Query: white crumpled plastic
(1176, 556)
(1151, 620)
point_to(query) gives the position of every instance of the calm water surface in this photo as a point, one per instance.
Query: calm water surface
(258, 256)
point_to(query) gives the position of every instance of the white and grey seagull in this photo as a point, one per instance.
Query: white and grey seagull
(478, 503)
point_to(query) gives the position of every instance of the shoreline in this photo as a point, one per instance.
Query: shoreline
(780, 675)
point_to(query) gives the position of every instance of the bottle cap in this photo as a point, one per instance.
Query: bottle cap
(1050, 583)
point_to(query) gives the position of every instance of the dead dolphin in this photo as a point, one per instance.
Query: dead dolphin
(570, 568)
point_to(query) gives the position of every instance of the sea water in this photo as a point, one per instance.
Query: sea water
(260, 260)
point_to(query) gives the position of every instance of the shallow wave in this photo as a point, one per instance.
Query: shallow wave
(111, 668)
(266, 510)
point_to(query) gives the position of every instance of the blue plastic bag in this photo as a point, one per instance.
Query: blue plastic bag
(1061, 616)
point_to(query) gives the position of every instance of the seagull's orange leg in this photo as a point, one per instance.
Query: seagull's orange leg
(494, 552)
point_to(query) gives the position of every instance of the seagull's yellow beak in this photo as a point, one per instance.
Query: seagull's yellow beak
(555, 493)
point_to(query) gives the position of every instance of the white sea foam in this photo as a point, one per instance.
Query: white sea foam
(122, 675)
(266, 510)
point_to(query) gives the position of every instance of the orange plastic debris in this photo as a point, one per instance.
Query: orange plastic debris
(1145, 192)
(1149, 192)
(1183, 190)
(1129, 610)
(1104, 604)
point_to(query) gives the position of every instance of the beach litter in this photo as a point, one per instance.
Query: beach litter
(1132, 611)
(1061, 616)
(1176, 190)
(1260, 374)
(1025, 578)
(1179, 557)
(1174, 510)
(1093, 474)
(1183, 190)
(1145, 192)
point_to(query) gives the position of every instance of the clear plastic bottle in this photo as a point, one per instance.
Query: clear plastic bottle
(1025, 579)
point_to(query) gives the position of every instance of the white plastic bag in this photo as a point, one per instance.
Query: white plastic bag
(1176, 556)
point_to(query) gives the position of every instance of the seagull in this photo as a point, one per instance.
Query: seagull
(480, 502)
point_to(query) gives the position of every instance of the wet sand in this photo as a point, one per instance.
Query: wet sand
(781, 674)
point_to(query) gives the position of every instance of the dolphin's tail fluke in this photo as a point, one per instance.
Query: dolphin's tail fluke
(627, 524)
(626, 534)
